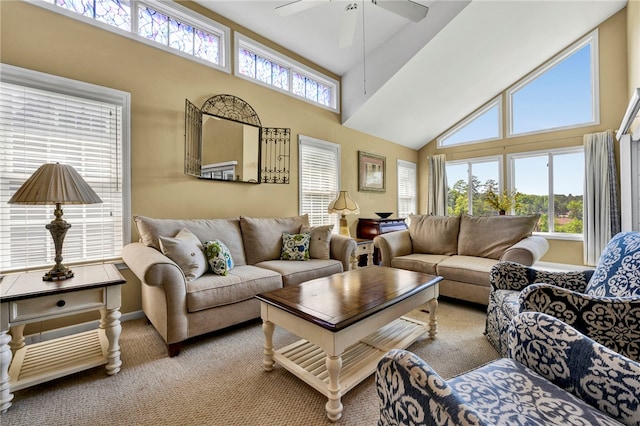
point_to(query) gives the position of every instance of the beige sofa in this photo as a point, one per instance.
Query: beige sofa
(180, 304)
(462, 249)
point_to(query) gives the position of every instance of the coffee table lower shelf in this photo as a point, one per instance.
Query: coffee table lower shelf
(308, 362)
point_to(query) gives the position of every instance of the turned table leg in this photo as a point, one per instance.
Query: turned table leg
(267, 360)
(433, 320)
(5, 359)
(110, 323)
(334, 404)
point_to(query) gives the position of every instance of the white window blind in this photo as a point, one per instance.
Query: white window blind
(39, 126)
(407, 189)
(319, 179)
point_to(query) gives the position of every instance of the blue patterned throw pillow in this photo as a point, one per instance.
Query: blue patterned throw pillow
(218, 256)
(295, 246)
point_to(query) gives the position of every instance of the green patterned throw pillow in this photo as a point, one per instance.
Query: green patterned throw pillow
(218, 256)
(295, 246)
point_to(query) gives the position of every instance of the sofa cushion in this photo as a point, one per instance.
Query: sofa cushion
(490, 236)
(295, 246)
(240, 283)
(225, 230)
(218, 257)
(434, 234)
(468, 269)
(262, 237)
(320, 242)
(294, 273)
(418, 262)
(186, 250)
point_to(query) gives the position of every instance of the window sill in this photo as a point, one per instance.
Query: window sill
(560, 236)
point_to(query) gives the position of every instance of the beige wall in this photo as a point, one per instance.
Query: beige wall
(159, 82)
(633, 44)
(613, 103)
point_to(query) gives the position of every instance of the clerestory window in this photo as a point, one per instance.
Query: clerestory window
(265, 66)
(481, 126)
(165, 25)
(561, 94)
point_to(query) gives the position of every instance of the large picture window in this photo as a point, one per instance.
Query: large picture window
(551, 184)
(319, 179)
(46, 119)
(469, 181)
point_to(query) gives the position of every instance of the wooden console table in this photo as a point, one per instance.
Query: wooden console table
(370, 228)
(25, 298)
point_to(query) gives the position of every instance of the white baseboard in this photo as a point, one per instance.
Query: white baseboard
(76, 328)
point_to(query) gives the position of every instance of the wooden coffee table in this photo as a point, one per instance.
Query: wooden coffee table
(347, 322)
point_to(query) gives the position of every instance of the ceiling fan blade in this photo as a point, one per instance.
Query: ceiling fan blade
(406, 8)
(295, 6)
(348, 25)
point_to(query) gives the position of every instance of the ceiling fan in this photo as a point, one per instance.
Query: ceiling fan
(406, 8)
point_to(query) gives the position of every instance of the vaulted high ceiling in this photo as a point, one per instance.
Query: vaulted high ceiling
(412, 81)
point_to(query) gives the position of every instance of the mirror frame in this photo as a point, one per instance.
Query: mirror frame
(229, 107)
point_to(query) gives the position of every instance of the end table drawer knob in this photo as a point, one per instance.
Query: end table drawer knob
(60, 303)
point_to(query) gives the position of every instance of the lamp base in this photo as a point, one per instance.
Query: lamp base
(344, 226)
(58, 273)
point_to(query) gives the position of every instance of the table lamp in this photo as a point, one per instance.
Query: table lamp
(56, 184)
(344, 205)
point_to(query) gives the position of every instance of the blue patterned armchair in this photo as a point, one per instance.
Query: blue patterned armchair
(554, 376)
(604, 303)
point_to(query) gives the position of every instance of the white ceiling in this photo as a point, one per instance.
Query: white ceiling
(418, 79)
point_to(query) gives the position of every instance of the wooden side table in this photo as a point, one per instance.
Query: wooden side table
(364, 247)
(371, 228)
(26, 298)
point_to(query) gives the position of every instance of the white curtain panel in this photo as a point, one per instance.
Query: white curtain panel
(601, 214)
(437, 196)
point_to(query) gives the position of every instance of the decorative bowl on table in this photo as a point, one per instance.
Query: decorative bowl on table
(384, 215)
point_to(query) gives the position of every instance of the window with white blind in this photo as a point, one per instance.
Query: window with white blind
(319, 179)
(407, 189)
(47, 119)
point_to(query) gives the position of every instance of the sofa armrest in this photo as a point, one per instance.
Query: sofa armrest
(526, 251)
(393, 244)
(611, 321)
(594, 373)
(150, 266)
(343, 248)
(514, 276)
(402, 402)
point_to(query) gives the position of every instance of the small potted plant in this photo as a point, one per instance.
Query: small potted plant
(502, 202)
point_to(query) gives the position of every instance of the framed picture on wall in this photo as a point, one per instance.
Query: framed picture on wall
(371, 172)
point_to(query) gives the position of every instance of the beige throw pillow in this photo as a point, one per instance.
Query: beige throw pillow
(262, 237)
(490, 236)
(187, 251)
(320, 243)
(434, 234)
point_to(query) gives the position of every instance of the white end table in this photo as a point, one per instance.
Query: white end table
(26, 298)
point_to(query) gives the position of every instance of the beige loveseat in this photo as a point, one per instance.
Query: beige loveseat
(180, 304)
(462, 249)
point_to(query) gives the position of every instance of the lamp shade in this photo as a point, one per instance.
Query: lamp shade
(55, 183)
(343, 204)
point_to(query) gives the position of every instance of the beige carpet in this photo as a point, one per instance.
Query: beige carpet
(218, 380)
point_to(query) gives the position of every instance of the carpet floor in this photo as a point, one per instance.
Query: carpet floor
(218, 380)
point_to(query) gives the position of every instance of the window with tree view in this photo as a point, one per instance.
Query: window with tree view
(468, 183)
(550, 184)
